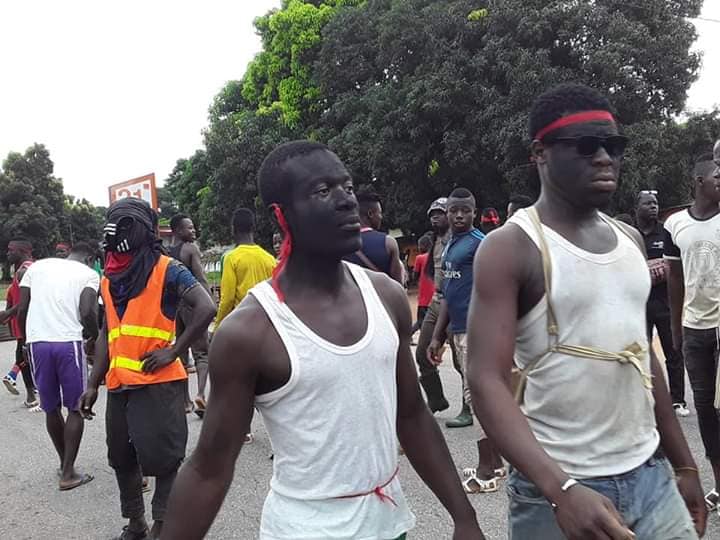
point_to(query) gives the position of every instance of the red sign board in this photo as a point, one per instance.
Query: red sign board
(142, 187)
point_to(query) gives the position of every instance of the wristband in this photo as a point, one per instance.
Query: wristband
(690, 469)
(570, 482)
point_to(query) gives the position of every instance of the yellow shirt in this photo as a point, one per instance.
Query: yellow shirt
(243, 268)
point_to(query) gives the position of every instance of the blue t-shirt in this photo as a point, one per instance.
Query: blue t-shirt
(178, 280)
(458, 274)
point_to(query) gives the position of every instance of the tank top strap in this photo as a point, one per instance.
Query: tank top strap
(268, 300)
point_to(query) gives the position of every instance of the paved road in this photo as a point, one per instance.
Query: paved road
(32, 508)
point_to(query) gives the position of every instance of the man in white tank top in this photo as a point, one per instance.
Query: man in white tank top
(560, 293)
(692, 252)
(323, 351)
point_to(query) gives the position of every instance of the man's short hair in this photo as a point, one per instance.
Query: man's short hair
(520, 201)
(83, 249)
(704, 165)
(562, 100)
(461, 193)
(176, 221)
(22, 243)
(274, 184)
(243, 221)
(366, 197)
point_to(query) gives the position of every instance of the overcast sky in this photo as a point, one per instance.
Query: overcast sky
(116, 90)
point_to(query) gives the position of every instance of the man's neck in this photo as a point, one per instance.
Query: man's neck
(307, 274)
(646, 225)
(244, 240)
(704, 209)
(22, 261)
(562, 211)
(174, 241)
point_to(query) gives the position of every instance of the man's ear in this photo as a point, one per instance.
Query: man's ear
(537, 151)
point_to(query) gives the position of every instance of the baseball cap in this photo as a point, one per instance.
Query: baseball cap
(438, 204)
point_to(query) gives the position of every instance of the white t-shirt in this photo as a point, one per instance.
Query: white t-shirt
(55, 288)
(697, 244)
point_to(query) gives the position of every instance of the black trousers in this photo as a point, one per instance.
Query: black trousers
(24, 364)
(701, 355)
(146, 436)
(658, 316)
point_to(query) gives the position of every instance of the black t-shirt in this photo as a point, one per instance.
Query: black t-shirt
(655, 242)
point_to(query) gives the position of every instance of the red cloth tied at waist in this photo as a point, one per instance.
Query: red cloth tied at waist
(378, 491)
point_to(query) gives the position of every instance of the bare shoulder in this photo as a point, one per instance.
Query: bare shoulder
(245, 334)
(509, 250)
(391, 293)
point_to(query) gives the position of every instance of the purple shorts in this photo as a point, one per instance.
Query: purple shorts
(60, 373)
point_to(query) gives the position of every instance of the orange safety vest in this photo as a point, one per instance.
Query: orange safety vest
(142, 329)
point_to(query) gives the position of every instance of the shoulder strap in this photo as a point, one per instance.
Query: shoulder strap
(552, 326)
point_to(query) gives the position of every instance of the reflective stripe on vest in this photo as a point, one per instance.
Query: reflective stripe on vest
(126, 363)
(140, 331)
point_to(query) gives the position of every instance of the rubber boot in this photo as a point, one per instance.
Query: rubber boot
(432, 385)
(464, 419)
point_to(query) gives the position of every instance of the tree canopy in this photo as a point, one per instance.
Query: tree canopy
(33, 206)
(419, 96)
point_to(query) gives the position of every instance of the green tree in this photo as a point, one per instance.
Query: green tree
(420, 96)
(83, 221)
(188, 183)
(31, 201)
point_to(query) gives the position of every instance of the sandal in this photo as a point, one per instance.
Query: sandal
(82, 480)
(36, 408)
(249, 438)
(473, 485)
(712, 499)
(31, 404)
(470, 471)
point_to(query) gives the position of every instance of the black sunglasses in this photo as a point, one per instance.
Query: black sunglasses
(588, 145)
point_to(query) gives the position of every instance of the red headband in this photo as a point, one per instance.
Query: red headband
(22, 247)
(490, 219)
(577, 118)
(285, 250)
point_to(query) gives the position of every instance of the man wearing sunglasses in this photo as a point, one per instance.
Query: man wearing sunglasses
(658, 309)
(562, 296)
(693, 253)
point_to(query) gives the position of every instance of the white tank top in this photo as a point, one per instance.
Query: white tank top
(594, 418)
(332, 428)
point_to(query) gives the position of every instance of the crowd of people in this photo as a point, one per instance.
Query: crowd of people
(548, 318)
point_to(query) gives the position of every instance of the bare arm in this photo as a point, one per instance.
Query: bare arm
(202, 308)
(204, 479)
(439, 334)
(418, 430)
(22, 310)
(196, 266)
(88, 312)
(676, 297)
(397, 272)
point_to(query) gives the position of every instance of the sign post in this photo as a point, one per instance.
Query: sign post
(142, 187)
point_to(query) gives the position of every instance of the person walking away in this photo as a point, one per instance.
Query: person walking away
(57, 312)
(19, 255)
(692, 250)
(145, 418)
(658, 307)
(334, 423)
(458, 274)
(243, 267)
(379, 251)
(426, 286)
(595, 446)
(185, 250)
